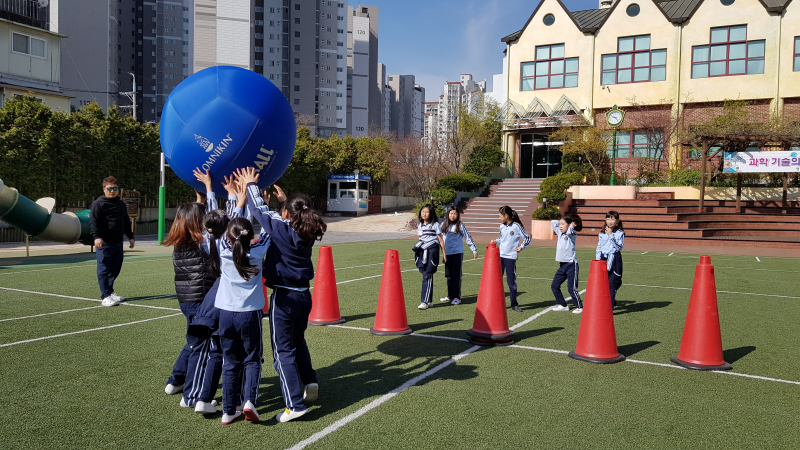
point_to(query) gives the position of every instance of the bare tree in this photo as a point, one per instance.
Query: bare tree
(307, 120)
(419, 166)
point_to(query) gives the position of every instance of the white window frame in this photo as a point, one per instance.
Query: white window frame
(29, 45)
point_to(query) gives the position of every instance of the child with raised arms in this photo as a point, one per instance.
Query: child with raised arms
(609, 246)
(288, 270)
(512, 240)
(240, 299)
(426, 252)
(455, 233)
(567, 259)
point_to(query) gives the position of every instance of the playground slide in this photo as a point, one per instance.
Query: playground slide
(37, 218)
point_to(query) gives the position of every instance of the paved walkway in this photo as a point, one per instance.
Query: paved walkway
(373, 227)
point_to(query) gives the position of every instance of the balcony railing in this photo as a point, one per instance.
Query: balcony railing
(28, 12)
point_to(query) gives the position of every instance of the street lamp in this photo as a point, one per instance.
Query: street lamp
(614, 118)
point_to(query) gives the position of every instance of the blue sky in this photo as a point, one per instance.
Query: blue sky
(437, 40)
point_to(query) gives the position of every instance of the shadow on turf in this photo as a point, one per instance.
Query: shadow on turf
(631, 306)
(632, 349)
(527, 334)
(366, 375)
(734, 354)
(9, 263)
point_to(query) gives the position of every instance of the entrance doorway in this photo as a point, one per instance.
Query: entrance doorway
(539, 158)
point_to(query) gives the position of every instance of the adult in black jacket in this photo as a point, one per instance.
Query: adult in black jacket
(109, 223)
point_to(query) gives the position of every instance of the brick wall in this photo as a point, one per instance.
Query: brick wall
(694, 113)
(791, 108)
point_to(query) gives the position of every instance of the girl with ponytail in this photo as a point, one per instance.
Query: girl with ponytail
(565, 228)
(512, 240)
(240, 300)
(288, 271)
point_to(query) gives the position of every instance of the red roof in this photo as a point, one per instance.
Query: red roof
(453, 82)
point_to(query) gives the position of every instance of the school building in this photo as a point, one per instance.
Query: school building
(652, 58)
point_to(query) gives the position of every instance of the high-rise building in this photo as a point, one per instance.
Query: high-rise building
(406, 106)
(467, 93)
(155, 45)
(364, 87)
(386, 99)
(33, 55)
(90, 31)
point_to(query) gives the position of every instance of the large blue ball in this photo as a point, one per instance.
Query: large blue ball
(225, 118)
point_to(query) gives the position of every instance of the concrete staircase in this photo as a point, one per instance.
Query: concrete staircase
(678, 222)
(480, 214)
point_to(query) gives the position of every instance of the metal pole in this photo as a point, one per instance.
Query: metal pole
(134, 95)
(162, 199)
(614, 160)
(27, 245)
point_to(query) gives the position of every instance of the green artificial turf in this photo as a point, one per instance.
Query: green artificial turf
(104, 388)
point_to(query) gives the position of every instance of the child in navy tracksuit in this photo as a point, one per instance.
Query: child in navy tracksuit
(240, 300)
(288, 271)
(426, 252)
(565, 229)
(512, 240)
(609, 245)
(455, 233)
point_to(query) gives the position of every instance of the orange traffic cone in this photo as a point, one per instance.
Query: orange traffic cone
(390, 318)
(265, 309)
(597, 339)
(490, 326)
(701, 344)
(325, 299)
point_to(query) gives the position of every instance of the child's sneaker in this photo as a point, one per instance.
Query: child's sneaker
(202, 407)
(249, 411)
(577, 310)
(311, 392)
(183, 403)
(561, 308)
(446, 299)
(422, 306)
(230, 418)
(516, 308)
(173, 389)
(456, 301)
(288, 415)
(117, 298)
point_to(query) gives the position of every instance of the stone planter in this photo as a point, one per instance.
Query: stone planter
(541, 229)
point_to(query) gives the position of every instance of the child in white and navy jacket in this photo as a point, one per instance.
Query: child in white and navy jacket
(565, 229)
(455, 232)
(288, 270)
(609, 245)
(512, 240)
(240, 299)
(426, 252)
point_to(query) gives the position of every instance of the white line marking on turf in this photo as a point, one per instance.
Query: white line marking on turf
(95, 300)
(373, 276)
(539, 349)
(50, 313)
(94, 264)
(644, 253)
(86, 331)
(535, 316)
(758, 259)
(671, 254)
(380, 400)
(757, 377)
(448, 338)
(349, 328)
(723, 292)
(368, 265)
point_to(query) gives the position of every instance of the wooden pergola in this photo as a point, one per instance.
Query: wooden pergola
(739, 142)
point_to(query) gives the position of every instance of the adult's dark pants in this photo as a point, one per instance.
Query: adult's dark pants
(109, 264)
(288, 320)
